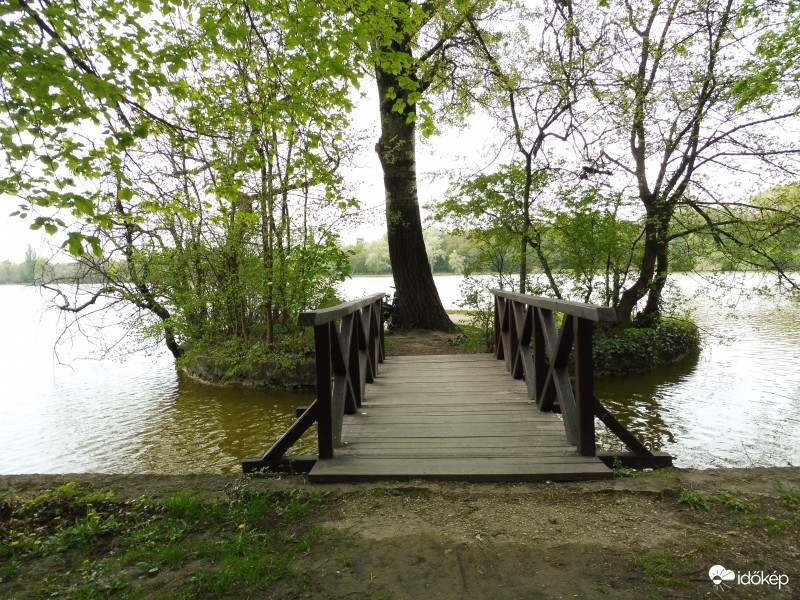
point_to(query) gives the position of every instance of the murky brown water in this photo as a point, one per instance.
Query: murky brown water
(737, 404)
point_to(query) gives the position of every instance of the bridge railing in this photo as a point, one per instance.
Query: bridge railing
(527, 338)
(349, 345)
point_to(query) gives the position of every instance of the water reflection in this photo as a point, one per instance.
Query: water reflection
(642, 404)
(115, 416)
(736, 404)
(211, 429)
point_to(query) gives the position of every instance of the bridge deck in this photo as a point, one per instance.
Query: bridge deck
(453, 417)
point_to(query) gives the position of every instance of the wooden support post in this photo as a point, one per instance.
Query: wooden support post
(584, 386)
(322, 347)
(539, 362)
(381, 332)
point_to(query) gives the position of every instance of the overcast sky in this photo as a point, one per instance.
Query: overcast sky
(461, 149)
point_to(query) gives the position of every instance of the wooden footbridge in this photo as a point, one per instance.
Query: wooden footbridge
(457, 417)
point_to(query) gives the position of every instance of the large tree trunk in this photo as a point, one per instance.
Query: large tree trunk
(419, 303)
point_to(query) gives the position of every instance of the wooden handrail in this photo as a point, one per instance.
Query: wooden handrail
(348, 344)
(527, 338)
(313, 318)
(576, 309)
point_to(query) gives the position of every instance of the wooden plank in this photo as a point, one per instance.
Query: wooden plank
(465, 453)
(474, 442)
(486, 469)
(584, 387)
(453, 417)
(444, 358)
(324, 373)
(370, 419)
(437, 431)
(482, 406)
(457, 465)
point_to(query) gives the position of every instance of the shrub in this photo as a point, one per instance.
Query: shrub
(638, 350)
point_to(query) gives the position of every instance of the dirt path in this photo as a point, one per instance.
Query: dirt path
(651, 536)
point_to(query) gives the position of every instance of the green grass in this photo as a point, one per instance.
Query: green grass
(620, 470)
(789, 496)
(69, 543)
(775, 525)
(184, 505)
(658, 568)
(734, 503)
(8, 568)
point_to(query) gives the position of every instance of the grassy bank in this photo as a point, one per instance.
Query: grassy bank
(74, 542)
(640, 536)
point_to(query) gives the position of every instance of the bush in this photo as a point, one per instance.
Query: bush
(288, 364)
(638, 350)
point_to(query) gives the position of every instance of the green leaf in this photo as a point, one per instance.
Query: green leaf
(75, 245)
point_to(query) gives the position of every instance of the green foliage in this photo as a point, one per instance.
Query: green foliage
(579, 238)
(300, 505)
(620, 470)
(694, 500)
(234, 547)
(480, 304)
(447, 253)
(185, 506)
(637, 350)
(8, 567)
(215, 175)
(734, 503)
(775, 525)
(772, 70)
(43, 271)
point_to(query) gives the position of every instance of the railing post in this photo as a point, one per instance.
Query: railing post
(584, 386)
(539, 361)
(577, 402)
(498, 334)
(322, 347)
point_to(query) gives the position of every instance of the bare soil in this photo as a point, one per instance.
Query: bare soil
(424, 341)
(628, 538)
(420, 341)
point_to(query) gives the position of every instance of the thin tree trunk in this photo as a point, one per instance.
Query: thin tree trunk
(654, 263)
(652, 309)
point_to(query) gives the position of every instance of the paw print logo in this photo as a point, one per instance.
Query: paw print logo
(719, 575)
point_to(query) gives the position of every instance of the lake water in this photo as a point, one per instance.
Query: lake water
(736, 404)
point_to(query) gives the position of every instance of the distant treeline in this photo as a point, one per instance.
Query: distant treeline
(460, 253)
(35, 270)
(446, 254)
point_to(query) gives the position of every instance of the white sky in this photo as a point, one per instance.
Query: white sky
(455, 149)
(452, 150)
(15, 237)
